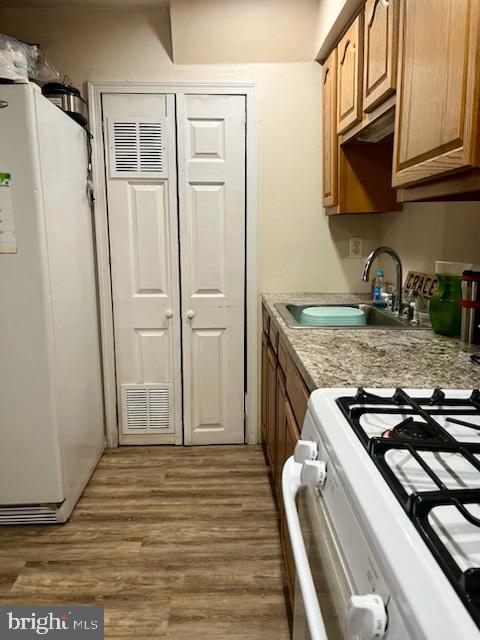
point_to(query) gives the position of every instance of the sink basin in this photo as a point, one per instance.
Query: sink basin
(375, 318)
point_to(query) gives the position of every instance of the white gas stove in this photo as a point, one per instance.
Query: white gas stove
(385, 530)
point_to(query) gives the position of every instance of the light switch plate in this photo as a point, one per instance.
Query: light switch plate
(356, 247)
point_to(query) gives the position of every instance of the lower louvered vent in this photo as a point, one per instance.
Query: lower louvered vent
(147, 408)
(29, 514)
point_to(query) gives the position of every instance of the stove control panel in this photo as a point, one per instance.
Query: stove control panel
(305, 450)
(313, 473)
(366, 618)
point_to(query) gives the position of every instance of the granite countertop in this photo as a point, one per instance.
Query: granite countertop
(374, 357)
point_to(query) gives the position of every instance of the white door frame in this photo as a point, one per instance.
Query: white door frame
(95, 91)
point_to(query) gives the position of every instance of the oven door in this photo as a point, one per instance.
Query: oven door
(323, 587)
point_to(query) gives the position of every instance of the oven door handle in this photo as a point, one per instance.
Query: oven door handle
(291, 484)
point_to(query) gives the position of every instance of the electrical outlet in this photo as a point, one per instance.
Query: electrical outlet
(356, 247)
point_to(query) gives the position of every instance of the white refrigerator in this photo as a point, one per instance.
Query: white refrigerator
(51, 405)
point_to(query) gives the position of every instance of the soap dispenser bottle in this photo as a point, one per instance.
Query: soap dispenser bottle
(378, 288)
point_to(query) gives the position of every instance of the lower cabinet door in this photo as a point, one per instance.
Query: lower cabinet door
(280, 433)
(264, 397)
(292, 435)
(271, 406)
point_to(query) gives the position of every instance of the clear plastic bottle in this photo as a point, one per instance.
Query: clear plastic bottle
(378, 288)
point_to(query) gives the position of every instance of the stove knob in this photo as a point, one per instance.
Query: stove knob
(366, 618)
(305, 450)
(313, 473)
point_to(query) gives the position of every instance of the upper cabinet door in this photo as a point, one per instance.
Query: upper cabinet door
(329, 130)
(380, 51)
(349, 76)
(437, 115)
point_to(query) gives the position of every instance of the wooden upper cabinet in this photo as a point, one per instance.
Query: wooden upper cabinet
(329, 131)
(349, 76)
(437, 115)
(380, 52)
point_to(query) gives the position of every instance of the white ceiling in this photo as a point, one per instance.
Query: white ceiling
(43, 4)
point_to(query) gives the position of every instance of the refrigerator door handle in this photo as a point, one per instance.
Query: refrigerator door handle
(291, 484)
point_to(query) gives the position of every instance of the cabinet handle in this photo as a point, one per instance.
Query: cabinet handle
(168, 313)
(385, 4)
(190, 314)
(347, 44)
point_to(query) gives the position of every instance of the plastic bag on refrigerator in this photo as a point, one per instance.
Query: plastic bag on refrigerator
(21, 62)
(17, 59)
(43, 70)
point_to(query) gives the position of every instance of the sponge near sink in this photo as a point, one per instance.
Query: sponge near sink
(333, 316)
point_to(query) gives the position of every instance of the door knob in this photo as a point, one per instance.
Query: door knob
(168, 313)
(190, 314)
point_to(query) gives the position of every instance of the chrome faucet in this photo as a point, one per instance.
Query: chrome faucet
(397, 303)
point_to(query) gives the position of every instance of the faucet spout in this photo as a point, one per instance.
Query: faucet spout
(398, 303)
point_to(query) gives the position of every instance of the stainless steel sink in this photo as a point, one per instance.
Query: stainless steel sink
(375, 318)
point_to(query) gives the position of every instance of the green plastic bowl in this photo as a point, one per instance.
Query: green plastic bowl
(333, 316)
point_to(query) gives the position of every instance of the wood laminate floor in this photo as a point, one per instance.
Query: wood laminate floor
(176, 543)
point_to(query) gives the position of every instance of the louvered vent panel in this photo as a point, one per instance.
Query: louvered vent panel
(147, 408)
(137, 148)
(159, 408)
(151, 147)
(29, 514)
(125, 144)
(137, 408)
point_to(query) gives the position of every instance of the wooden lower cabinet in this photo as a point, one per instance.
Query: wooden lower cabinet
(297, 394)
(280, 455)
(292, 434)
(264, 391)
(271, 405)
(284, 403)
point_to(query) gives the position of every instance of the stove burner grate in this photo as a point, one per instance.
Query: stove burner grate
(411, 429)
(417, 434)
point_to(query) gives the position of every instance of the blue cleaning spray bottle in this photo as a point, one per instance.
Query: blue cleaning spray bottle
(378, 288)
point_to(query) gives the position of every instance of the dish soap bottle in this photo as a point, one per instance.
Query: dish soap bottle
(378, 289)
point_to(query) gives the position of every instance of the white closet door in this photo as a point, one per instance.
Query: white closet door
(141, 186)
(212, 236)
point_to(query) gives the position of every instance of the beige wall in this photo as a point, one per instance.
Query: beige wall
(299, 249)
(425, 232)
(215, 31)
